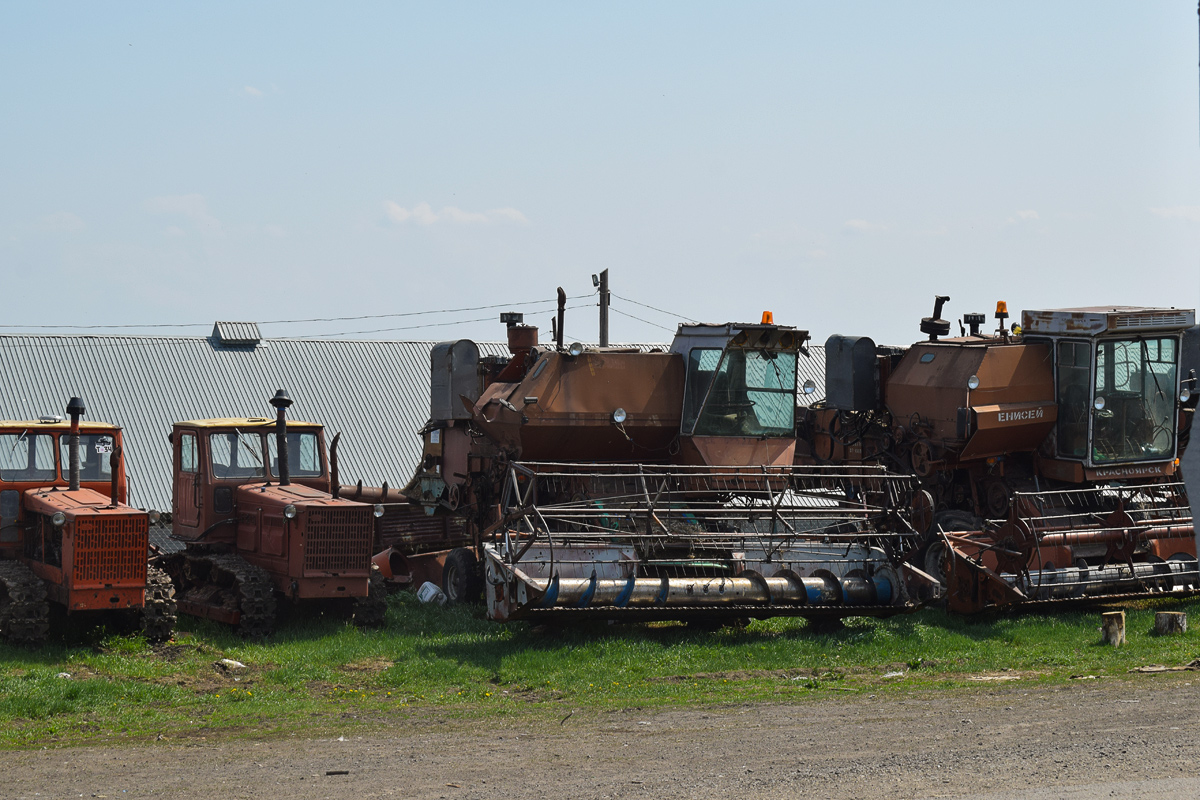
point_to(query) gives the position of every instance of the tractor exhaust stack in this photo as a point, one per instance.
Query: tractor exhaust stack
(76, 410)
(281, 401)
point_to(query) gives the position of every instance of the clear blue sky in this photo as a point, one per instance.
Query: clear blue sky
(838, 164)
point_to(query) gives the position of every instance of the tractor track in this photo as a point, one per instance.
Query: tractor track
(24, 610)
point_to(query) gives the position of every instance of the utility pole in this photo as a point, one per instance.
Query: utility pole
(604, 308)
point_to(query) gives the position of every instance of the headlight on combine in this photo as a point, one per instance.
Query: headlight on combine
(378, 510)
(1099, 403)
(1185, 394)
(619, 416)
(59, 519)
(154, 516)
(290, 511)
(973, 382)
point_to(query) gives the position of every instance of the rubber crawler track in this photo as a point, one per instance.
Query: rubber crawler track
(24, 611)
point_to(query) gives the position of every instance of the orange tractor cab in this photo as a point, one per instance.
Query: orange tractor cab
(252, 505)
(66, 534)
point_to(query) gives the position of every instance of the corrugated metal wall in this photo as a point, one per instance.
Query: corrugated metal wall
(375, 392)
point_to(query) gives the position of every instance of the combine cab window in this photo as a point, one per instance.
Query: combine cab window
(94, 452)
(1136, 386)
(236, 454)
(26, 457)
(702, 366)
(304, 455)
(748, 393)
(1074, 397)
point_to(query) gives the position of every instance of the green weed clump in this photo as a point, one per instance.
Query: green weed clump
(320, 673)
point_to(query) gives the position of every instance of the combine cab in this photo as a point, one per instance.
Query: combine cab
(66, 534)
(1069, 426)
(630, 484)
(253, 507)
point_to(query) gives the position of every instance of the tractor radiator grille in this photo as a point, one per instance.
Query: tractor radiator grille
(111, 549)
(338, 539)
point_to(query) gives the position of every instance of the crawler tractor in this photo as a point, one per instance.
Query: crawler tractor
(1050, 450)
(66, 534)
(252, 505)
(628, 484)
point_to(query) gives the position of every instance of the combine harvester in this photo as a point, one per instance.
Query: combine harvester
(1047, 455)
(66, 533)
(620, 483)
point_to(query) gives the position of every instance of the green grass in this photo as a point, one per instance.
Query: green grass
(321, 676)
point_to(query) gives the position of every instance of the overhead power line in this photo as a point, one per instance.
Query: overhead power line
(652, 308)
(293, 321)
(639, 319)
(414, 327)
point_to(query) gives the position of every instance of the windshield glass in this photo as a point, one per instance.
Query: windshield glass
(94, 452)
(1074, 401)
(26, 456)
(1136, 381)
(236, 454)
(304, 455)
(749, 393)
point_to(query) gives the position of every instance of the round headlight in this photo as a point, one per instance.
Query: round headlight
(809, 386)
(1099, 403)
(575, 349)
(154, 516)
(59, 519)
(290, 511)
(378, 510)
(619, 415)
(1185, 394)
(973, 382)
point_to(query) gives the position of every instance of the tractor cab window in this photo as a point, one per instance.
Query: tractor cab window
(741, 393)
(1134, 406)
(95, 450)
(188, 461)
(304, 455)
(1074, 363)
(236, 454)
(26, 456)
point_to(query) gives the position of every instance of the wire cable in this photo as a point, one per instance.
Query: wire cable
(639, 319)
(294, 321)
(652, 308)
(413, 327)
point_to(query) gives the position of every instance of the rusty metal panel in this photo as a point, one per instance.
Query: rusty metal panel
(329, 541)
(109, 549)
(1104, 319)
(409, 529)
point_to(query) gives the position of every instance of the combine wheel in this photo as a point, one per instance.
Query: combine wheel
(461, 579)
(158, 610)
(24, 612)
(370, 610)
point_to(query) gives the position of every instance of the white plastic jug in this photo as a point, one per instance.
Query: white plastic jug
(430, 592)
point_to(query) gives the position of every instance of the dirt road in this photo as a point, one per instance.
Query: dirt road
(1133, 739)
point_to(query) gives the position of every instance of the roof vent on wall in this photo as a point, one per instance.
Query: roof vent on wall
(236, 334)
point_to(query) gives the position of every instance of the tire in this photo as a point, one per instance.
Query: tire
(461, 578)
